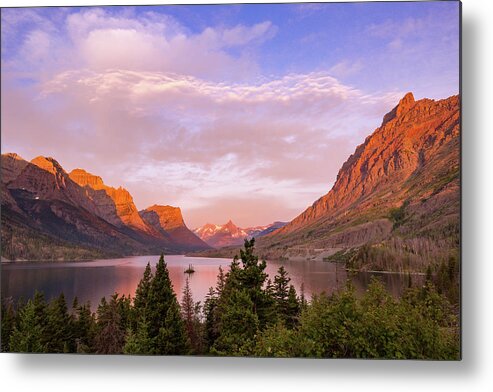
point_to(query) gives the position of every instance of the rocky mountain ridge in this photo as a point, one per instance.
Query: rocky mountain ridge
(168, 220)
(48, 213)
(398, 194)
(228, 234)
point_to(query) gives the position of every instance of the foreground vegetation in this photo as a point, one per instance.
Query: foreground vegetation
(244, 315)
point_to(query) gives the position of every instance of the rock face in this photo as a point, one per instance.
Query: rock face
(411, 162)
(12, 166)
(219, 236)
(169, 221)
(45, 179)
(115, 205)
(49, 214)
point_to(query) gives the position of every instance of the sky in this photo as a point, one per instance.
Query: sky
(242, 112)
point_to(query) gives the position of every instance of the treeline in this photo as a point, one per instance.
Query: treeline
(246, 314)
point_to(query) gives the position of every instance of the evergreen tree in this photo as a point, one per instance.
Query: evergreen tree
(211, 327)
(293, 308)
(125, 310)
(58, 332)
(281, 290)
(238, 326)
(221, 280)
(8, 323)
(84, 328)
(142, 291)
(251, 277)
(139, 342)
(75, 303)
(160, 298)
(166, 328)
(110, 336)
(27, 335)
(270, 313)
(190, 312)
(40, 308)
(286, 300)
(172, 338)
(303, 301)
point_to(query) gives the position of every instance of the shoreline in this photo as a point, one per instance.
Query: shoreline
(41, 262)
(12, 262)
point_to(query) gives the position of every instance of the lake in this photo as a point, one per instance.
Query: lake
(92, 280)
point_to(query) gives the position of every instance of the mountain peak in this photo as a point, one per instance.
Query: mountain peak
(231, 235)
(160, 207)
(13, 155)
(407, 99)
(404, 105)
(230, 225)
(47, 163)
(169, 217)
(82, 177)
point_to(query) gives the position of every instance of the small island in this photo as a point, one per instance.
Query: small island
(190, 269)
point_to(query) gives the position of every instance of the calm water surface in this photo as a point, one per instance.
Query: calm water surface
(92, 280)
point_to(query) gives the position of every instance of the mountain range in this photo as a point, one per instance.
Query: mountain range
(219, 236)
(395, 204)
(48, 213)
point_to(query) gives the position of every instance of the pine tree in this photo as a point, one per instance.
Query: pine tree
(251, 277)
(293, 308)
(187, 306)
(84, 328)
(271, 313)
(8, 323)
(58, 331)
(211, 327)
(303, 301)
(40, 308)
(125, 310)
(238, 326)
(27, 335)
(160, 298)
(110, 336)
(221, 280)
(166, 328)
(139, 342)
(287, 304)
(190, 313)
(281, 289)
(142, 291)
(172, 338)
(75, 303)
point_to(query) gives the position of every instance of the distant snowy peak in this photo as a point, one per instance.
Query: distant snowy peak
(229, 234)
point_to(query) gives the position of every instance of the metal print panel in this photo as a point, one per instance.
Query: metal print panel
(267, 180)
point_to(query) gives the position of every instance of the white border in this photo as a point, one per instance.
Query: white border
(88, 373)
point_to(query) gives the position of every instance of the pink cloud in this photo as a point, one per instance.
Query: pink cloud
(148, 105)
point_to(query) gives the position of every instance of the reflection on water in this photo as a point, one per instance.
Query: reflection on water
(90, 281)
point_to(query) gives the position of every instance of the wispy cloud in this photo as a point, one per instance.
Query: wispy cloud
(346, 68)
